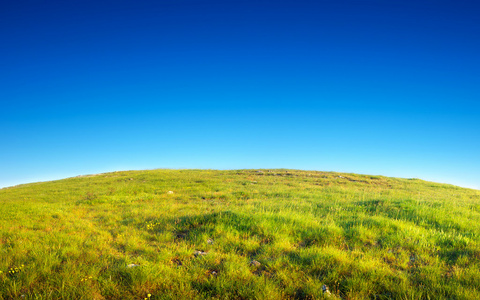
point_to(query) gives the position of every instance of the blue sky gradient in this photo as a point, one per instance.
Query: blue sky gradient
(371, 87)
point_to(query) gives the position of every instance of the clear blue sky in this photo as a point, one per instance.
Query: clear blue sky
(371, 87)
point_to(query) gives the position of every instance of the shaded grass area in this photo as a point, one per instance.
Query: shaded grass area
(195, 234)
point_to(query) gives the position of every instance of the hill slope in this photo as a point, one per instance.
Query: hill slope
(244, 234)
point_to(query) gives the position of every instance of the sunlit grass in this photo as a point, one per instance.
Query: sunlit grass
(245, 234)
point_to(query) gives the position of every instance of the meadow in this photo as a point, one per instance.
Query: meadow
(239, 234)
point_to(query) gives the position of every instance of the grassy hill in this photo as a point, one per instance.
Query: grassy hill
(243, 234)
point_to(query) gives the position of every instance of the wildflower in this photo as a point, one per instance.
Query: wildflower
(86, 278)
(325, 289)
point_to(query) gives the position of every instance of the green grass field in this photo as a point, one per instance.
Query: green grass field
(243, 234)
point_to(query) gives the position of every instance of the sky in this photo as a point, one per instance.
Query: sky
(372, 87)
